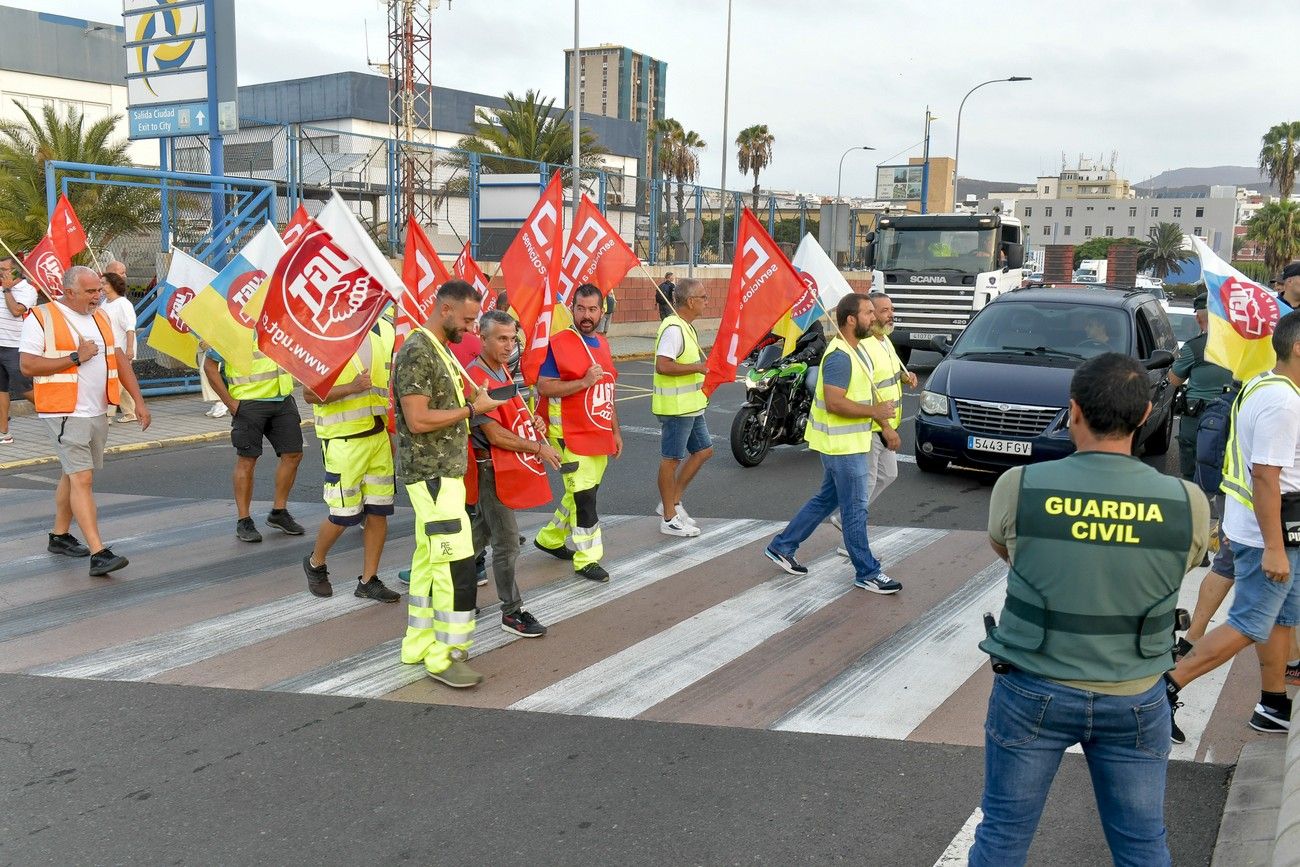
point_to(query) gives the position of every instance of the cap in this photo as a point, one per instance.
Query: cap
(1200, 301)
(1292, 270)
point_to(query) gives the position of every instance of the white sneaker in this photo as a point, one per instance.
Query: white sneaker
(209, 411)
(678, 527)
(220, 411)
(837, 524)
(681, 513)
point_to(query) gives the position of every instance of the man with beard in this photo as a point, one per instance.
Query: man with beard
(433, 421)
(840, 428)
(890, 376)
(577, 379)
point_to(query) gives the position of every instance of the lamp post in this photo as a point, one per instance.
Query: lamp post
(839, 184)
(956, 150)
(726, 103)
(577, 117)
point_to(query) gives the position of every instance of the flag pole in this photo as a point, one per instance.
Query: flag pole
(36, 284)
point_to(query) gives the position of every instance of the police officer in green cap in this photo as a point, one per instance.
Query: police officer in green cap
(1205, 381)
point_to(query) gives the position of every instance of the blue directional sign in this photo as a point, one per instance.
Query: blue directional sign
(163, 121)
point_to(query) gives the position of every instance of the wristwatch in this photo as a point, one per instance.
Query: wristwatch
(75, 358)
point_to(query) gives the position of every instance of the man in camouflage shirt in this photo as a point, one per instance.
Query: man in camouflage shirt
(432, 453)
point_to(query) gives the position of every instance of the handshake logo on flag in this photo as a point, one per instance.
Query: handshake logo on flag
(175, 304)
(327, 289)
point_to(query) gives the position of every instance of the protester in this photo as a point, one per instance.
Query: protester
(78, 371)
(1262, 481)
(577, 378)
(19, 297)
(507, 479)
(118, 268)
(218, 409)
(611, 303)
(121, 313)
(840, 430)
(890, 375)
(679, 403)
(1087, 629)
(352, 426)
(666, 297)
(432, 449)
(1205, 382)
(261, 405)
(1288, 285)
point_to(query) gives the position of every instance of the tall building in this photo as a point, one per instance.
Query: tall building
(615, 81)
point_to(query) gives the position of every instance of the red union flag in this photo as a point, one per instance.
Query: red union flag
(298, 224)
(320, 302)
(465, 268)
(596, 254)
(46, 271)
(531, 266)
(422, 274)
(66, 233)
(764, 285)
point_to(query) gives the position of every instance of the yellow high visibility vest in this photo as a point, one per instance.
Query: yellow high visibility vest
(887, 373)
(356, 413)
(1236, 473)
(833, 434)
(684, 394)
(264, 380)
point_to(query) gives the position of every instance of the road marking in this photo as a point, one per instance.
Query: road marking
(32, 477)
(378, 671)
(958, 850)
(657, 668)
(1201, 695)
(895, 686)
(632, 397)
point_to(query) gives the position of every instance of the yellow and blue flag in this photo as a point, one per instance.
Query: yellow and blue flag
(1242, 317)
(169, 334)
(824, 286)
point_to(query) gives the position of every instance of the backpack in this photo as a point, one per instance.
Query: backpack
(1212, 433)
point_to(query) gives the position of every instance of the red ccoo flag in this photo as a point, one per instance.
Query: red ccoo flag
(422, 274)
(465, 268)
(595, 254)
(43, 266)
(297, 226)
(764, 285)
(531, 267)
(66, 234)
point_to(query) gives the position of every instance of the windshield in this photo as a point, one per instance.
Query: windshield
(1045, 329)
(969, 251)
(1185, 327)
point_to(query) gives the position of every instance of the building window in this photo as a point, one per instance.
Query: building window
(1200, 212)
(1132, 231)
(1047, 190)
(1110, 231)
(1047, 230)
(1047, 212)
(1197, 231)
(1178, 212)
(1029, 212)
(1132, 212)
(1089, 208)
(1087, 231)
(1069, 210)
(1067, 231)
(1155, 212)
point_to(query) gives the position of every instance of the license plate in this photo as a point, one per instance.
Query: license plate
(1006, 447)
(923, 335)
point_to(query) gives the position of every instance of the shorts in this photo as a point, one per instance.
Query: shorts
(358, 477)
(277, 420)
(680, 434)
(1222, 564)
(11, 377)
(1261, 604)
(80, 441)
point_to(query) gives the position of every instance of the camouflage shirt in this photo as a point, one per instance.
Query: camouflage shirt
(419, 369)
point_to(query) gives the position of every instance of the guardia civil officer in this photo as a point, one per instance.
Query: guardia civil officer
(1098, 544)
(1205, 382)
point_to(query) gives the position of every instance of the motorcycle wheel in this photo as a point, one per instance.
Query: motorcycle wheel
(749, 444)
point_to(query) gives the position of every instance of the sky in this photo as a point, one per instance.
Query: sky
(1164, 84)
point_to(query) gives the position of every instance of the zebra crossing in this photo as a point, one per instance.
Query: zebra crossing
(698, 630)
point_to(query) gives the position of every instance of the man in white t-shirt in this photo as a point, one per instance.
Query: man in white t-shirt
(679, 403)
(1261, 475)
(65, 348)
(19, 296)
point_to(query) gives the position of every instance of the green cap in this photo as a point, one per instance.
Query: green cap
(1200, 302)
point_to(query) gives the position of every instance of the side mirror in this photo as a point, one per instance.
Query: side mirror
(942, 344)
(1159, 360)
(1015, 254)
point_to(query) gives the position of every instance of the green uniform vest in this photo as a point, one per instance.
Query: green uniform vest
(1205, 379)
(833, 434)
(356, 413)
(887, 373)
(1101, 549)
(679, 395)
(264, 380)
(1236, 473)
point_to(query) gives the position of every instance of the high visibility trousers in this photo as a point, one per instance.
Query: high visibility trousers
(440, 603)
(576, 516)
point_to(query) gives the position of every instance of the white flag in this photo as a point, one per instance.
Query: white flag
(811, 260)
(337, 219)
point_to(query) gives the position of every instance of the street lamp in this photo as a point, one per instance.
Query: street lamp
(956, 151)
(839, 183)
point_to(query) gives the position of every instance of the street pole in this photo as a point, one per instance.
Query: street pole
(839, 184)
(925, 162)
(956, 150)
(577, 118)
(726, 102)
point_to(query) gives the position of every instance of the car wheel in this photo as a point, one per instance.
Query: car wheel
(928, 464)
(1158, 443)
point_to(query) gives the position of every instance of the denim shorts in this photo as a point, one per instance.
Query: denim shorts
(1260, 604)
(680, 434)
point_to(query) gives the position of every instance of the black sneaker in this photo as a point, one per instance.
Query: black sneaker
(283, 520)
(1182, 648)
(375, 589)
(1270, 719)
(561, 553)
(68, 545)
(593, 572)
(787, 563)
(246, 530)
(1171, 692)
(522, 623)
(318, 578)
(104, 561)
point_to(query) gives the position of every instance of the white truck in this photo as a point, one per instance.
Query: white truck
(1091, 271)
(941, 268)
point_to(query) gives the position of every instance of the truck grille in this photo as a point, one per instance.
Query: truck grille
(1005, 419)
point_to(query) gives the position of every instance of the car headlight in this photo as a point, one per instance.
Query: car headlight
(933, 403)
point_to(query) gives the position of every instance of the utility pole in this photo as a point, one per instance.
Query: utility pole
(925, 162)
(577, 120)
(726, 103)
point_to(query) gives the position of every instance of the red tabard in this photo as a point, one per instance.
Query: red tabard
(521, 478)
(588, 415)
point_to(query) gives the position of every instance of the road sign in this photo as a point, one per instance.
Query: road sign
(164, 121)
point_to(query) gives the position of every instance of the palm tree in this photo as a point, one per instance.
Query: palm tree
(754, 153)
(1277, 227)
(1279, 155)
(25, 147)
(666, 131)
(678, 158)
(1163, 250)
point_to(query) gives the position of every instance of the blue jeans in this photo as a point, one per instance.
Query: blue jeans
(846, 485)
(1031, 722)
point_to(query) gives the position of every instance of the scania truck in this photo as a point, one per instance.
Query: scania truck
(941, 268)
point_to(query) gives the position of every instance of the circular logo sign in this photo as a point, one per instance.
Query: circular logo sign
(600, 404)
(325, 291)
(523, 427)
(1252, 311)
(242, 289)
(179, 299)
(808, 299)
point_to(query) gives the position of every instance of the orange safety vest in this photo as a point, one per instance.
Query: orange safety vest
(57, 393)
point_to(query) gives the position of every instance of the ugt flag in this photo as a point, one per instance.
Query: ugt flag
(1242, 315)
(824, 287)
(422, 274)
(219, 313)
(169, 334)
(43, 266)
(764, 285)
(65, 232)
(531, 267)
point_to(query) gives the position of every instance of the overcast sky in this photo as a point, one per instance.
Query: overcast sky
(1166, 84)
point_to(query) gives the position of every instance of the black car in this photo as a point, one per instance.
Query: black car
(1001, 398)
